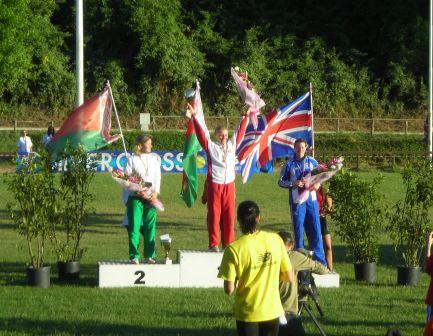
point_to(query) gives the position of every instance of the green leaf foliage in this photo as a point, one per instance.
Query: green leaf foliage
(35, 204)
(75, 180)
(409, 220)
(357, 214)
(363, 58)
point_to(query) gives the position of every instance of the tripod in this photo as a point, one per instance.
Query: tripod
(303, 304)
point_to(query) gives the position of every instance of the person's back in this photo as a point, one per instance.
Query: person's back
(254, 264)
(259, 257)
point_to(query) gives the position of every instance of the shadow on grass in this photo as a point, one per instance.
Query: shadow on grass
(47, 327)
(380, 324)
(15, 274)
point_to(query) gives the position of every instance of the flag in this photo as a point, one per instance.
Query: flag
(189, 161)
(250, 97)
(89, 125)
(275, 135)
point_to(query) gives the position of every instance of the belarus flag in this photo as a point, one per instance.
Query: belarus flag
(89, 125)
(189, 161)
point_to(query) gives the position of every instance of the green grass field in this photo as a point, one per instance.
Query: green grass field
(353, 309)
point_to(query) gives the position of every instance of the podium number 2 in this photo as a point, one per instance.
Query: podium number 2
(139, 280)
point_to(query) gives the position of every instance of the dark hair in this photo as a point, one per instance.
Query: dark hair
(300, 140)
(141, 140)
(50, 130)
(248, 211)
(286, 237)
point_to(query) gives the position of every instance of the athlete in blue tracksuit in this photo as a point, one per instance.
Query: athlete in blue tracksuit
(305, 215)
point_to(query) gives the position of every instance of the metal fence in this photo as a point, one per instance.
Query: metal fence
(377, 160)
(331, 125)
(321, 125)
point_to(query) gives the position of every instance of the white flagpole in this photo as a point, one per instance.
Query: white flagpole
(117, 118)
(430, 138)
(312, 120)
(79, 54)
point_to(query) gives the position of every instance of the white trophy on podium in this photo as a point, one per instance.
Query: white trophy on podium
(166, 244)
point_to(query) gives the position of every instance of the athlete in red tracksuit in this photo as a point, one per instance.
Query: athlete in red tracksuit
(221, 159)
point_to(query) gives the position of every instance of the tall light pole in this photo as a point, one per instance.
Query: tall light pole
(430, 82)
(79, 57)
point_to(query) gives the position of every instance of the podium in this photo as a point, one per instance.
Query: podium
(194, 269)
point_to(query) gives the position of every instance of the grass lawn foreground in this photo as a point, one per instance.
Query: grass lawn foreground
(353, 309)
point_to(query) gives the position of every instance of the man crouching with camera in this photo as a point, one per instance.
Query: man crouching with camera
(289, 291)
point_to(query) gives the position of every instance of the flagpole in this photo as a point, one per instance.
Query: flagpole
(79, 68)
(430, 137)
(312, 120)
(117, 118)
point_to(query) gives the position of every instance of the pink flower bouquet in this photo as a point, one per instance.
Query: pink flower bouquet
(248, 94)
(320, 174)
(134, 183)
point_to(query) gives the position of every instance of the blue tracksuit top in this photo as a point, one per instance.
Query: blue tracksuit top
(294, 170)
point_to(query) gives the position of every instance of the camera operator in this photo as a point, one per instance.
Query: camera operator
(289, 291)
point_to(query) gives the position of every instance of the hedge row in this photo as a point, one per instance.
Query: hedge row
(335, 142)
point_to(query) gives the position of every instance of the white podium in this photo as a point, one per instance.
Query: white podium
(124, 274)
(199, 269)
(195, 269)
(330, 280)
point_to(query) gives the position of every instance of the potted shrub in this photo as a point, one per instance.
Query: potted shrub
(77, 174)
(409, 221)
(358, 218)
(32, 210)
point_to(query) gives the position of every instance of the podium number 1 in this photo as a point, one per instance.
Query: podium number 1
(140, 278)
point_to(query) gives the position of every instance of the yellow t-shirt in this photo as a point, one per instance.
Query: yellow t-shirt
(256, 261)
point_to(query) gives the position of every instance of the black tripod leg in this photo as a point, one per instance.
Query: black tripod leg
(308, 309)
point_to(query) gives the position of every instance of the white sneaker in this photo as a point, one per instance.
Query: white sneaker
(135, 261)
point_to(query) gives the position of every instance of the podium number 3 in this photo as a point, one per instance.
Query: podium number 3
(140, 278)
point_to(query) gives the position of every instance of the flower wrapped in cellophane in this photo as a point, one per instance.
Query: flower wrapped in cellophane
(134, 184)
(323, 172)
(248, 94)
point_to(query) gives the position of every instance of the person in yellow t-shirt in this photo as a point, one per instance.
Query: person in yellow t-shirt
(253, 265)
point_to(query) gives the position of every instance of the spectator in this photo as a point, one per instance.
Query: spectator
(428, 330)
(141, 214)
(325, 206)
(305, 216)
(220, 182)
(289, 291)
(48, 136)
(253, 265)
(24, 144)
(428, 267)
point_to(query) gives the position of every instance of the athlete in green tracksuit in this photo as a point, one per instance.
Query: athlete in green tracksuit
(140, 214)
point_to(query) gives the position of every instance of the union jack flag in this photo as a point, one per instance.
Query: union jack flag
(275, 135)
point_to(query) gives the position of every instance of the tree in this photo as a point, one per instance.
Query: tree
(33, 68)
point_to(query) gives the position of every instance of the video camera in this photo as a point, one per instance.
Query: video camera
(306, 285)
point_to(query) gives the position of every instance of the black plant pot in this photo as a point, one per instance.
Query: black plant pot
(68, 271)
(39, 277)
(365, 272)
(407, 275)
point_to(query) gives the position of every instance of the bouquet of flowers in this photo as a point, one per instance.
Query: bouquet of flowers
(135, 184)
(320, 174)
(248, 94)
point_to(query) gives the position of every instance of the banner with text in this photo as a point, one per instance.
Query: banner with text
(171, 161)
